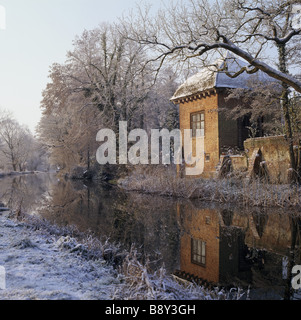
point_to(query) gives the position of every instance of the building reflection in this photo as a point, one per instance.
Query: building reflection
(227, 247)
(224, 246)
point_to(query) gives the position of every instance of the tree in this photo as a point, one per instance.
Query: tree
(17, 142)
(108, 69)
(102, 82)
(198, 31)
(158, 111)
(68, 132)
(259, 105)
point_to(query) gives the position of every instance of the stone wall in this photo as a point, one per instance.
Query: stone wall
(268, 156)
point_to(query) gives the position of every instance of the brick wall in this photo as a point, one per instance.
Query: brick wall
(202, 225)
(209, 225)
(209, 106)
(220, 131)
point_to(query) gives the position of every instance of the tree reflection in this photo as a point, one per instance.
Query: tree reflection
(125, 218)
(207, 243)
(27, 191)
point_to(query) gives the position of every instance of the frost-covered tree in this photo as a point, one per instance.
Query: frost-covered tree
(190, 33)
(158, 111)
(259, 106)
(17, 144)
(99, 85)
(103, 81)
(108, 70)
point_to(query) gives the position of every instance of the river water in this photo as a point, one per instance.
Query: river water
(224, 245)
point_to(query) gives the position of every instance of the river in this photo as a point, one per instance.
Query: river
(210, 243)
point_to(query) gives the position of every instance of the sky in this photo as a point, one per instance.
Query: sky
(34, 34)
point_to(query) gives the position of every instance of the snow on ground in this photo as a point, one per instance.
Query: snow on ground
(42, 264)
(38, 266)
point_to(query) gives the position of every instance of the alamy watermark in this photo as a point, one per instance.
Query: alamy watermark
(169, 150)
(296, 280)
(2, 18)
(2, 278)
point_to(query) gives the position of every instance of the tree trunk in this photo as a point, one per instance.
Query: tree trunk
(88, 157)
(286, 113)
(299, 162)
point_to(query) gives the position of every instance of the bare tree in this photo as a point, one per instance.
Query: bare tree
(158, 111)
(103, 81)
(259, 105)
(69, 133)
(108, 69)
(199, 30)
(17, 142)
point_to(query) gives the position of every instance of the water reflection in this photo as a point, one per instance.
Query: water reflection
(222, 245)
(27, 191)
(252, 247)
(149, 223)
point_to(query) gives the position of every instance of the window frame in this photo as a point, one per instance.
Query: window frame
(200, 256)
(194, 123)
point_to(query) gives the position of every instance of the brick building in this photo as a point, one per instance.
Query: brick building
(200, 99)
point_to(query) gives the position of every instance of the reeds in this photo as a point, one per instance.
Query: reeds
(233, 189)
(140, 284)
(134, 279)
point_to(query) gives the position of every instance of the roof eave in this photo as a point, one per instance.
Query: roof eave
(195, 96)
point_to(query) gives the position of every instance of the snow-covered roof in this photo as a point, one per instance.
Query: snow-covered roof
(213, 76)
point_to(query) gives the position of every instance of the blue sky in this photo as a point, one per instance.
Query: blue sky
(39, 33)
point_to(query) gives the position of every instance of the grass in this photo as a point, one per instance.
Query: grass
(234, 189)
(140, 284)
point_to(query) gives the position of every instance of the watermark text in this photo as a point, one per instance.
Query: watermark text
(296, 280)
(162, 147)
(2, 278)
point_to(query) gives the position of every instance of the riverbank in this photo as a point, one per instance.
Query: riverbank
(234, 189)
(19, 173)
(44, 262)
(39, 267)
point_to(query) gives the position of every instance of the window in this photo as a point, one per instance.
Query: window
(197, 121)
(198, 252)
